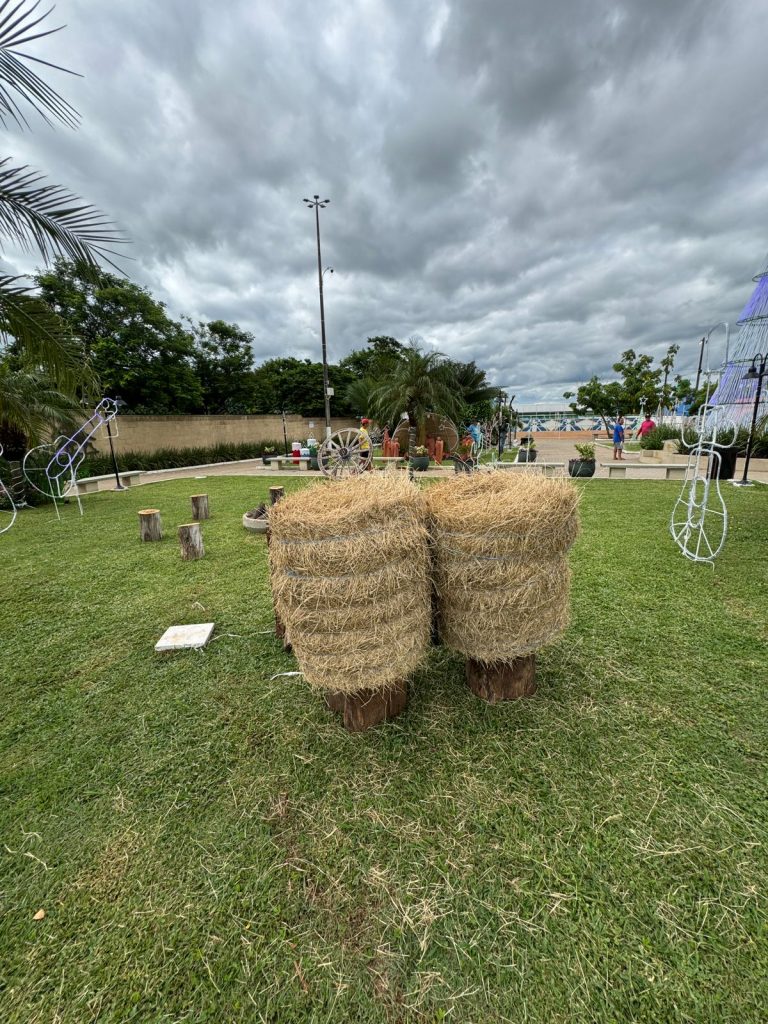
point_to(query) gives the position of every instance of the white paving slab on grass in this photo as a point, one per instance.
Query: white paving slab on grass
(180, 638)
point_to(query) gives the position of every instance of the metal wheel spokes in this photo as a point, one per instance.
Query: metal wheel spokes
(341, 455)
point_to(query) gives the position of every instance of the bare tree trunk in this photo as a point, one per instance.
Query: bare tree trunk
(150, 524)
(367, 708)
(504, 681)
(191, 540)
(200, 507)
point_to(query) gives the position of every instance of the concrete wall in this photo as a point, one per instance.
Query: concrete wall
(148, 433)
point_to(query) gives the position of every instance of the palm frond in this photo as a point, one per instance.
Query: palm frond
(18, 82)
(50, 219)
(31, 404)
(44, 340)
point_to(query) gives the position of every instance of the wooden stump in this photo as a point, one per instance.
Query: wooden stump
(502, 681)
(150, 524)
(275, 494)
(367, 708)
(200, 507)
(191, 540)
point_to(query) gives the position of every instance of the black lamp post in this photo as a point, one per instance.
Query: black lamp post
(317, 205)
(118, 486)
(753, 373)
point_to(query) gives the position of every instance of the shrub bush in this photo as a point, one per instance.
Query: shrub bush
(655, 438)
(98, 464)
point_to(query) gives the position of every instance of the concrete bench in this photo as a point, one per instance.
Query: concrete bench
(89, 484)
(672, 470)
(302, 463)
(546, 468)
(129, 479)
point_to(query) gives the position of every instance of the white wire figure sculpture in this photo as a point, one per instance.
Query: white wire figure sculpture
(341, 454)
(699, 521)
(8, 510)
(59, 476)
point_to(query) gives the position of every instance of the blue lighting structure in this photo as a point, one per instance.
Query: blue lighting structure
(736, 392)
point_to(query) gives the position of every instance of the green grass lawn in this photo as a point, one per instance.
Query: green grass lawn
(209, 845)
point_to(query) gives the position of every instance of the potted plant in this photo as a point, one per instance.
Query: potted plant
(420, 458)
(585, 464)
(266, 452)
(527, 451)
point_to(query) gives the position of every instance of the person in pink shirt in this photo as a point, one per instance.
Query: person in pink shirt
(646, 427)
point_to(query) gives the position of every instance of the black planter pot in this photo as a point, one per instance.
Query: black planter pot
(726, 467)
(581, 467)
(459, 466)
(420, 463)
(265, 459)
(526, 455)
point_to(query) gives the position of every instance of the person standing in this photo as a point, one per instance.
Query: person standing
(503, 431)
(618, 440)
(646, 427)
(365, 442)
(475, 432)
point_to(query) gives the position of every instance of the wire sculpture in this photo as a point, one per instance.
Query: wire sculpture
(59, 476)
(8, 510)
(699, 521)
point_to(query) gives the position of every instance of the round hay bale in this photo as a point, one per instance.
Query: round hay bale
(500, 547)
(350, 572)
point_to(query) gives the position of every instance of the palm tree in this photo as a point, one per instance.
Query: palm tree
(41, 217)
(419, 383)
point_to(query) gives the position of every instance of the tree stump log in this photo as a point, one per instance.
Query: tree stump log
(191, 540)
(150, 524)
(503, 681)
(200, 507)
(366, 708)
(275, 494)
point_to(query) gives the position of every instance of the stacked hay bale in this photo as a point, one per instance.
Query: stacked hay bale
(349, 566)
(501, 572)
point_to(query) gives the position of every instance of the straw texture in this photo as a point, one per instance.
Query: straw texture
(349, 566)
(500, 546)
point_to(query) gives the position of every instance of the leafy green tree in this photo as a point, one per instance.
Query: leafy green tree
(375, 361)
(420, 383)
(223, 361)
(140, 354)
(602, 400)
(296, 385)
(640, 383)
(41, 217)
(476, 394)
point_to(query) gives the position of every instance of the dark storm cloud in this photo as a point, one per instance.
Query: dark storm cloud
(537, 185)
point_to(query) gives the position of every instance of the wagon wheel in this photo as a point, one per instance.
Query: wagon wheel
(340, 454)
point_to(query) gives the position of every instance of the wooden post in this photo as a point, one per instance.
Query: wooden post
(200, 507)
(367, 708)
(150, 524)
(191, 540)
(504, 680)
(275, 494)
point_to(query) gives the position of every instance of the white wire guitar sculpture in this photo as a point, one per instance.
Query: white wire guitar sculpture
(699, 521)
(59, 476)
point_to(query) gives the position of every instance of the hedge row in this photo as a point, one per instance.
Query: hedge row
(176, 458)
(655, 439)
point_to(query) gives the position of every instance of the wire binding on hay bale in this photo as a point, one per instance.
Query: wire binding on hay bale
(349, 566)
(500, 554)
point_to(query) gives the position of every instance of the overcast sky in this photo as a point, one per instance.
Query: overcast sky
(533, 184)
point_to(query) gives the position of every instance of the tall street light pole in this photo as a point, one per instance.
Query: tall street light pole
(317, 205)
